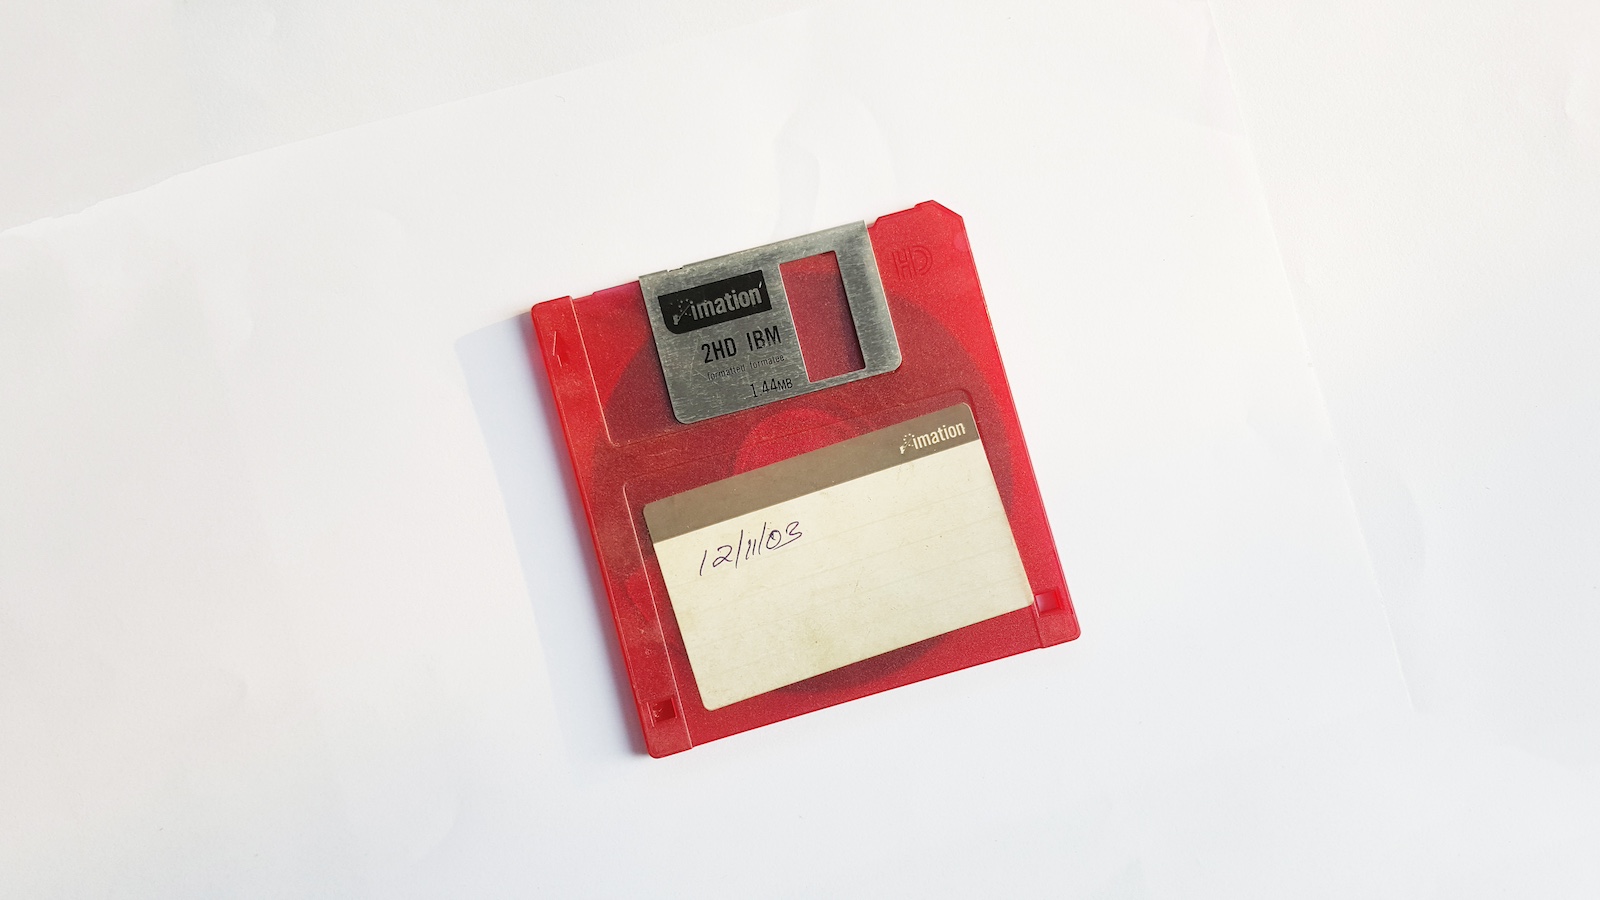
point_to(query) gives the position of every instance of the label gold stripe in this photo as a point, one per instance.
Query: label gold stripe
(809, 472)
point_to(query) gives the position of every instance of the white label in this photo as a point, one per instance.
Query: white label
(916, 547)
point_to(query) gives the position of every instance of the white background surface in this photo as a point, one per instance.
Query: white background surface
(1299, 308)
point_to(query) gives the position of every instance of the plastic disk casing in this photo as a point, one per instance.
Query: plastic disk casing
(630, 449)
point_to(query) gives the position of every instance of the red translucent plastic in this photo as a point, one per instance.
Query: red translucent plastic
(628, 450)
(821, 311)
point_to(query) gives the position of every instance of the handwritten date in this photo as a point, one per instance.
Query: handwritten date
(750, 545)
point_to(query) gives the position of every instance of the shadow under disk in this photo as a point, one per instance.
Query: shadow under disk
(510, 393)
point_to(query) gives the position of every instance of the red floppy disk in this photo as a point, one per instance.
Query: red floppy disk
(804, 475)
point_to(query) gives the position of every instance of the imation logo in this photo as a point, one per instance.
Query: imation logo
(732, 301)
(720, 301)
(937, 436)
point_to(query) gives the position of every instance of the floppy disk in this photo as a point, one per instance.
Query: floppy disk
(803, 474)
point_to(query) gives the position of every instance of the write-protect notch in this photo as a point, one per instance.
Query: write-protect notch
(726, 336)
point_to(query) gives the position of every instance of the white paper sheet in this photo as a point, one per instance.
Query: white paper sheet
(295, 599)
(1433, 173)
(103, 98)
